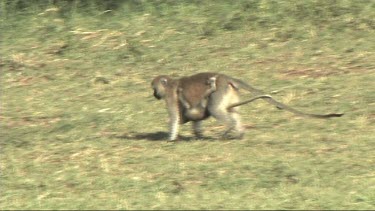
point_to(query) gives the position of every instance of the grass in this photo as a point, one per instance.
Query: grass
(80, 128)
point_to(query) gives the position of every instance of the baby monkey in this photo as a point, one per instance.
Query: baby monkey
(198, 110)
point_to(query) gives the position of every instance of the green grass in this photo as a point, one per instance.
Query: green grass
(80, 128)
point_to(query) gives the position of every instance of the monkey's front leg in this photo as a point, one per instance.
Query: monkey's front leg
(174, 117)
(174, 124)
(197, 128)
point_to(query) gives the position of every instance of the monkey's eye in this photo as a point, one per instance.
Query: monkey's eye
(163, 81)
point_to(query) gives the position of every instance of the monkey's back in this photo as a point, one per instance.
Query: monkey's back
(195, 86)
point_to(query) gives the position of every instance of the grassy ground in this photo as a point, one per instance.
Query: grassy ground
(78, 119)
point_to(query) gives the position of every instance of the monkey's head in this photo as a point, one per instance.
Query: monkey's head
(160, 85)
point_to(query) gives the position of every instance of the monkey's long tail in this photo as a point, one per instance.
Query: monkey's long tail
(279, 105)
(248, 101)
(287, 108)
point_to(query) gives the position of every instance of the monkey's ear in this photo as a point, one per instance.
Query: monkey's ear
(163, 81)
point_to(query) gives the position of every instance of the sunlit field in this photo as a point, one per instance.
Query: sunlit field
(80, 128)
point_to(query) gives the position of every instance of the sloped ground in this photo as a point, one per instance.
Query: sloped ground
(80, 128)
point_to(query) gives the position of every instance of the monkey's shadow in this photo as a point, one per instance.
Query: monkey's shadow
(156, 136)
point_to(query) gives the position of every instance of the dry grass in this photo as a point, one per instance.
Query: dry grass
(78, 128)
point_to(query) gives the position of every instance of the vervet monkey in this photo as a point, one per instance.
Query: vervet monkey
(199, 96)
(186, 99)
(196, 110)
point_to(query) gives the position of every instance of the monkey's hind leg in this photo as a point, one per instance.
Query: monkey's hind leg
(231, 119)
(238, 128)
(234, 125)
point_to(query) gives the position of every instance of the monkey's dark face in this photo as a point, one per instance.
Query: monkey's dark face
(159, 85)
(156, 95)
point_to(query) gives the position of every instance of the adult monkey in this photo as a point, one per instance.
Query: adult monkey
(199, 96)
(186, 99)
